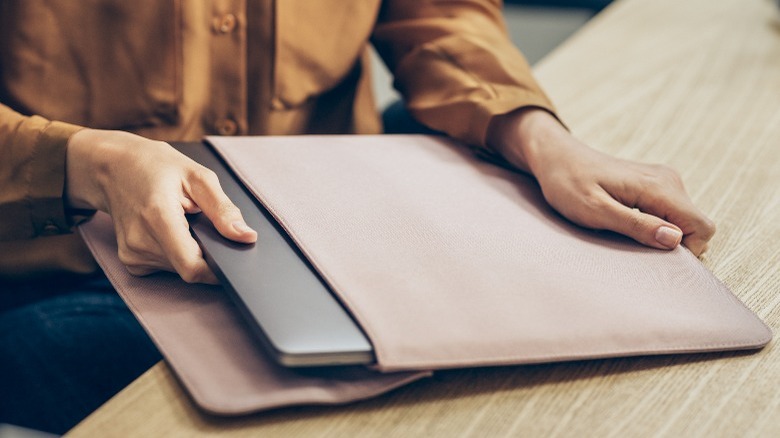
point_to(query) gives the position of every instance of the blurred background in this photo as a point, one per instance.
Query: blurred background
(535, 26)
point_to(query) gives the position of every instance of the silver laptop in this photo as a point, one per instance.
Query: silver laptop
(285, 303)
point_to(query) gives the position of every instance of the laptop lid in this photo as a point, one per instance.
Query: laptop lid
(284, 301)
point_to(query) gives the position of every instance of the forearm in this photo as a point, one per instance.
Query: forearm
(455, 65)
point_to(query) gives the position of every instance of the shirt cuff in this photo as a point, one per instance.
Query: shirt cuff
(47, 184)
(468, 119)
(40, 176)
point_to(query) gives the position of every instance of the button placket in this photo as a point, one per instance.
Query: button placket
(227, 113)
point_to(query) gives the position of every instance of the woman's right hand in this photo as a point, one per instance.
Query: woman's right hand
(147, 187)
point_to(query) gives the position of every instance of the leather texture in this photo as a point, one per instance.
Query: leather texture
(199, 332)
(444, 260)
(449, 261)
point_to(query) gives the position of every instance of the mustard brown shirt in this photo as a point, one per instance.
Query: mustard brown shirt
(176, 70)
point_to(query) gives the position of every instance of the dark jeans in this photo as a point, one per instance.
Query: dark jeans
(65, 349)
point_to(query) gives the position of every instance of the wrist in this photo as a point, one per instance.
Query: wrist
(84, 171)
(522, 137)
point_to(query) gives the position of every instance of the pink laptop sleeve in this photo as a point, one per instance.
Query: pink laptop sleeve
(444, 260)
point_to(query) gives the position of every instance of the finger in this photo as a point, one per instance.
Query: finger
(697, 246)
(226, 217)
(137, 249)
(645, 228)
(141, 271)
(696, 227)
(171, 231)
(190, 207)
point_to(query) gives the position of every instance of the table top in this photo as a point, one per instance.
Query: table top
(691, 83)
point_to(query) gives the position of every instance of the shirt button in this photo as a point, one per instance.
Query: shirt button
(226, 127)
(277, 104)
(224, 24)
(49, 229)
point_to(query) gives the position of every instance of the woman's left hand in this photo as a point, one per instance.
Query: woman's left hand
(646, 202)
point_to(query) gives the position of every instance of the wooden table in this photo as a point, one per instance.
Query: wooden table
(691, 83)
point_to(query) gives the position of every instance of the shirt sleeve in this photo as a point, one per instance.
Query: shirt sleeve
(455, 65)
(32, 175)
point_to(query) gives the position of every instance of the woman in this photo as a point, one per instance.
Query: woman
(88, 95)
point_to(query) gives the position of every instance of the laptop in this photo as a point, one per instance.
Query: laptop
(284, 301)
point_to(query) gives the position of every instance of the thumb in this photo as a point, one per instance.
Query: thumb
(645, 228)
(226, 217)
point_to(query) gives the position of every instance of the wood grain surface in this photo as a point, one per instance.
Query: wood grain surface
(691, 83)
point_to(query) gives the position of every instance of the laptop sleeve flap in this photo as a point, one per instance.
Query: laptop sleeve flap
(449, 261)
(200, 334)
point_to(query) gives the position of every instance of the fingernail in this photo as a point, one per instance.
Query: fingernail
(241, 227)
(668, 237)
